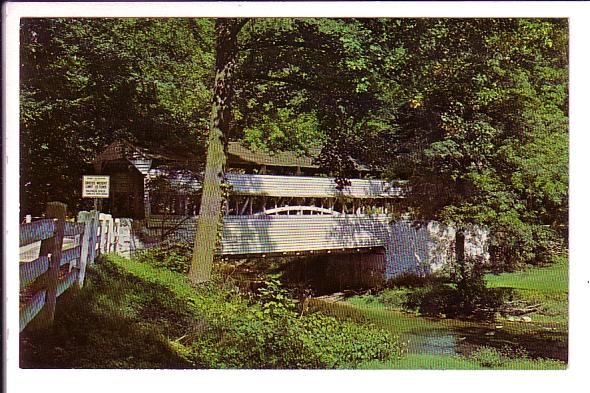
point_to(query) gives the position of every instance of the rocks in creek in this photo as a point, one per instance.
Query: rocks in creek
(513, 318)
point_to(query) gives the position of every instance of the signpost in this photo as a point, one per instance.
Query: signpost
(95, 187)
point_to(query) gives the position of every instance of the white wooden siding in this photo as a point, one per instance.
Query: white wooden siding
(309, 187)
(244, 235)
(276, 234)
(295, 186)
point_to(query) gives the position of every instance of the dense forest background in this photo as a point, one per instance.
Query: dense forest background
(472, 112)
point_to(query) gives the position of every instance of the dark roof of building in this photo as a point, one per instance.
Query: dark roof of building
(125, 150)
(240, 154)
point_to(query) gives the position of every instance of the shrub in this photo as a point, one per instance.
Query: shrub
(469, 298)
(225, 329)
(489, 357)
(516, 244)
(172, 256)
(512, 358)
(410, 280)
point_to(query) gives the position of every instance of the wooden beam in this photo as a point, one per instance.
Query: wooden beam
(29, 271)
(84, 251)
(52, 246)
(73, 229)
(36, 231)
(66, 282)
(245, 206)
(70, 254)
(31, 309)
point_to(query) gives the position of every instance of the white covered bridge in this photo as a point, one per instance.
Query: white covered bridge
(262, 218)
(280, 204)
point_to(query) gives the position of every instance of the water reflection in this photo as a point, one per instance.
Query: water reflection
(434, 342)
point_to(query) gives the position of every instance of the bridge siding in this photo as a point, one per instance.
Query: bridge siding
(275, 234)
(309, 187)
(294, 186)
(407, 248)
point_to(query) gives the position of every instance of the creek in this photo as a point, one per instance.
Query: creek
(447, 336)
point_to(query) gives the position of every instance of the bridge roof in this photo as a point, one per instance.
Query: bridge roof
(239, 154)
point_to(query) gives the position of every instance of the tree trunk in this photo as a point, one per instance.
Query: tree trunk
(226, 31)
(460, 253)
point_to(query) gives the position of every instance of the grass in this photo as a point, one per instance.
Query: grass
(484, 342)
(485, 359)
(548, 279)
(115, 321)
(547, 286)
(394, 320)
(133, 315)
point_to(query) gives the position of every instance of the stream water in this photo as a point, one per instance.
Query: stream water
(435, 342)
(463, 340)
(452, 336)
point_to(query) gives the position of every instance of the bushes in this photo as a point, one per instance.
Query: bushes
(210, 326)
(469, 296)
(509, 358)
(171, 256)
(516, 244)
(466, 296)
(276, 336)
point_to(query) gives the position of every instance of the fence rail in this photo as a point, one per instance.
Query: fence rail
(61, 251)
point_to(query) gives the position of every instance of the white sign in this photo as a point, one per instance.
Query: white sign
(95, 186)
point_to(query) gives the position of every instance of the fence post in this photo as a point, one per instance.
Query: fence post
(109, 227)
(116, 228)
(103, 233)
(52, 246)
(85, 250)
(92, 237)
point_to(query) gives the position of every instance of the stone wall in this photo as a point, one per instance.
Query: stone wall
(429, 248)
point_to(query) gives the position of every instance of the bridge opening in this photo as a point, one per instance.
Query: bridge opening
(318, 274)
(329, 273)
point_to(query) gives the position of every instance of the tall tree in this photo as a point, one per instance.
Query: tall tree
(88, 82)
(484, 130)
(226, 49)
(294, 75)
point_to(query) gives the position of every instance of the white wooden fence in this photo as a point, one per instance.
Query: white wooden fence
(54, 254)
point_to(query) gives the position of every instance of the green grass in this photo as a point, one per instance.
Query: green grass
(491, 360)
(109, 323)
(133, 315)
(545, 336)
(547, 286)
(549, 279)
(393, 320)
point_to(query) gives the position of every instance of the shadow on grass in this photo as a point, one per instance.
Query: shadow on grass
(532, 341)
(114, 321)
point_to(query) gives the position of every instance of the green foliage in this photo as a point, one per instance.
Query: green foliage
(470, 301)
(472, 111)
(282, 129)
(274, 298)
(486, 131)
(87, 82)
(172, 256)
(488, 359)
(507, 358)
(128, 304)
